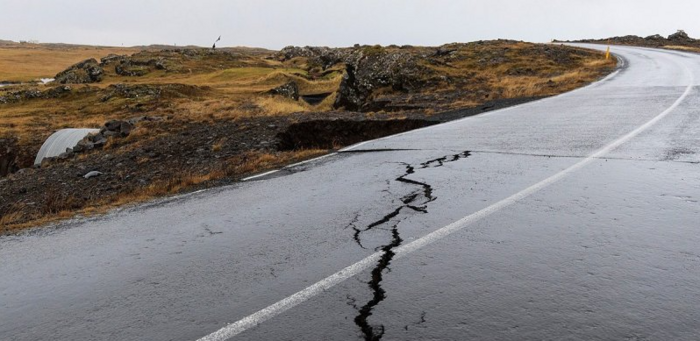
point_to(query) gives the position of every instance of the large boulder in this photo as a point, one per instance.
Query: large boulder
(87, 71)
(289, 90)
(112, 58)
(117, 128)
(29, 94)
(112, 128)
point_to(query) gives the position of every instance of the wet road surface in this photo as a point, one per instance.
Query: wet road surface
(570, 218)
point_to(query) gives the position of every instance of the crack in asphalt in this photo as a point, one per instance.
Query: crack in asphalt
(375, 333)
(425, 191)
(422, 320)
(356, 235)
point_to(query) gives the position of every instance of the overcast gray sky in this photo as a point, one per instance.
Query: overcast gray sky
(277, 23)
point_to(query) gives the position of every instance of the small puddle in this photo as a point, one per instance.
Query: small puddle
(315, 99)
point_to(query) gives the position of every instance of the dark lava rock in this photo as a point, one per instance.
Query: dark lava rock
(128, 69)
(87, 71)
(19, 95)
(324, 57)
(444, 51)
(112, 58)
(655, 37)
(372, 69)
(134, 66)
(8, 156)
(57, 91)
(29, 94)
(130, 91)
(151, 91)
(680, 37)
(112, 128)
(117, 128)
(289, 90)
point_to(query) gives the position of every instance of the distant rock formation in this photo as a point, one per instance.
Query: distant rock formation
(87, 71)
(680, 38)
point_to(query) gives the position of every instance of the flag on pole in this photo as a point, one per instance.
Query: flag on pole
(217, 40)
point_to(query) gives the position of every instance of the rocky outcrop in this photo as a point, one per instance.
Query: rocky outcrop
(131, 70)
(87, 71)
(368, 69)
(680, 37)
(131, 91)
(139, 67)
(371, 69)
(112, 58)
(324, 57)
(289, 90)
(112, 128)
(28, 94)
(8, 156)
(170, 61)
(655, 38)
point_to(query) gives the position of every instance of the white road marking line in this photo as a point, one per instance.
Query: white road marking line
(287, 167)
(260, 175)
(311, 160)
(265, 314)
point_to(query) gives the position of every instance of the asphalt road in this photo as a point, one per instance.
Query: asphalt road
(570, 218)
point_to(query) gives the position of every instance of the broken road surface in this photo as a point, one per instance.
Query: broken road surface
(573, 217)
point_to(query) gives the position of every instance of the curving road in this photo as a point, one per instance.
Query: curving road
(570, 218)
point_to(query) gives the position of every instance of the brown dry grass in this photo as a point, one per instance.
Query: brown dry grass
(274, 105)
(537, 86)
(30, 62)
(682, 48)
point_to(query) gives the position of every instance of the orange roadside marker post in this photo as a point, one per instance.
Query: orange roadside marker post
(607, 53)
